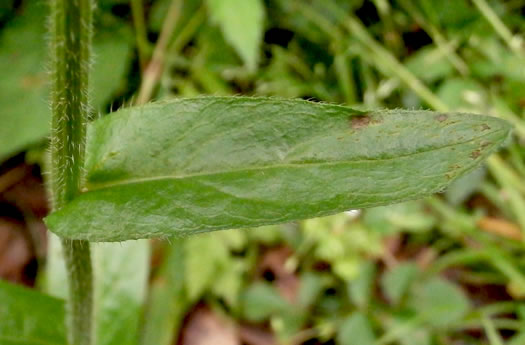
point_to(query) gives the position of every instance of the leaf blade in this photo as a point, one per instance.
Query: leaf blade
(44, 324)
(212, 163)
(121, 272)
(242, 23)
(25, 112)
(356, 329)
(167, 301)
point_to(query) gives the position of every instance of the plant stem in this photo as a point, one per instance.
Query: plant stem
(154, 69)
(71, 22)
(80, 284)
(137, 10)
(513, 42)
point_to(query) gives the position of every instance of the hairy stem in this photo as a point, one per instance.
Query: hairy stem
(71, 22)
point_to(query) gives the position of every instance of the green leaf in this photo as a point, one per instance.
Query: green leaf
(167, 302)
(111, 50)
(407, 330)
(453, 16)
(55, 283)
(462, 188)
(261, 300)
(229, 284)
(287, 323)
(30, 318)
(462, 93)
(242, 23)
(440, 302)
(121, 275)
(408, 217)
(356, 330)
(25, 115)
(310, 288)
(195, 165)
(360, 289)
(121, 271)
(396, 282)
(346, 267)
(418, 63)
(204, 256)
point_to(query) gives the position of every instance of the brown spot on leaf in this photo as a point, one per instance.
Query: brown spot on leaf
(475, 154)
(442, 117)
(452, 171)
(484, 144)
(29, 82)
(485, 127)
(361, 121)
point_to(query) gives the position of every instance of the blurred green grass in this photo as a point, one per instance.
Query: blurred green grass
(446, 270)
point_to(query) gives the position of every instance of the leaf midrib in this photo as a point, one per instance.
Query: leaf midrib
(101, 186)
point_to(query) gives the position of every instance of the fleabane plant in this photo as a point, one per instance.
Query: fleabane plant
(194, 165)
(187, 166)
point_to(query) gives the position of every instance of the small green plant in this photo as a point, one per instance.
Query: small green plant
(187, 166)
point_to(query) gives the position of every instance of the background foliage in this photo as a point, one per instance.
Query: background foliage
(446, 270)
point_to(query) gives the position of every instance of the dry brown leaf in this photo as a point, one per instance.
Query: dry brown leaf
(28, 194)
(425, 257)
(500, 227)
(251, 335)
(13, 176)
(204, 327)
(14, 252)
(286, 281)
